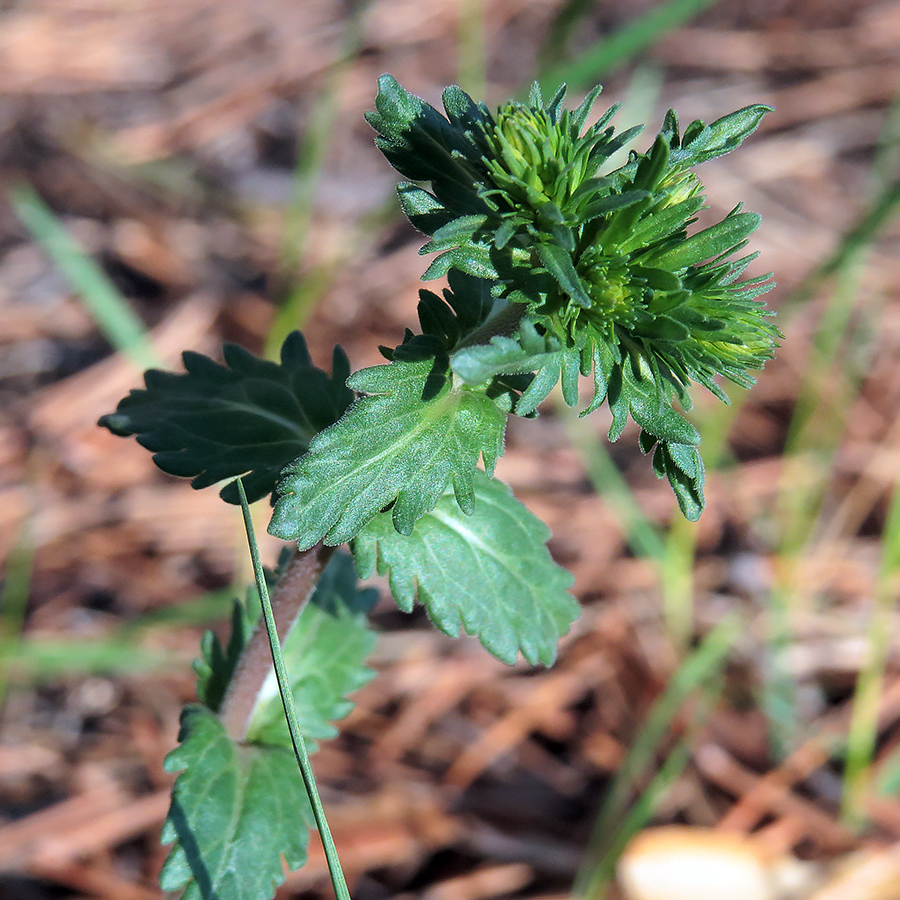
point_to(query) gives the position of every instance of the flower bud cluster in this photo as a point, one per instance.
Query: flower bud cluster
(600, 260)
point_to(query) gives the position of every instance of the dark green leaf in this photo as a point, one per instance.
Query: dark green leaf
(422, 209)
(472, 259)
(605, 205)
(249, 417)
(704, 142)
(634, 390)
(579, 116)
(682, 465)
(545, 380)
(489, 573)
(457, 233)
(416, 139)
(217, 661)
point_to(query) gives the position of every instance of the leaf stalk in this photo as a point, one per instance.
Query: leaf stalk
(289, 597)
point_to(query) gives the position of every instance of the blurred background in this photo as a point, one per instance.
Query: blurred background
(175, 175)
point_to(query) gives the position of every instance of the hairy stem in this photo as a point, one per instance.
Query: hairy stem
(289, 596)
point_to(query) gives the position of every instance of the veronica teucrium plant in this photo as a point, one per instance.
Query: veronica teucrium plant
(561, 269)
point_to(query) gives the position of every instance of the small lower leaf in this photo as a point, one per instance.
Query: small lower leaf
(218, 661)
(489, 573)
(237, 810)
(325, 653)
(682, 465)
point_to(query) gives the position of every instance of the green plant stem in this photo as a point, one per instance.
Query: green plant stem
(287, 699)
(13, 602)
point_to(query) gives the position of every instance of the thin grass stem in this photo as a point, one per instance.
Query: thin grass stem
(623, 45)
(608, 836)
(815, 430)
(109, 309)
(297, 295)
(472, 47)
(863, 731)
(14, 601)
(287, 699)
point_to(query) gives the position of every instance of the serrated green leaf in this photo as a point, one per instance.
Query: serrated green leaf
(526, 352)
(633, 390)
(545, 379)
(250, 417)
(325, 653)
(218, 661)
(472, 259)
(682, 465)
(415, 138)
(237, 811)
(425, 212)
(489, 573)
(390, 448)
(458, 233)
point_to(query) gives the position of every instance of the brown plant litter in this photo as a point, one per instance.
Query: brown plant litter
(163, 135)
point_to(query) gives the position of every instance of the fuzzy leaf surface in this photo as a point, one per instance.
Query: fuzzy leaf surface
(237, 810)
(489, 573)
(524, 353)
(325, 653)
(390, 448)
(703, 142)
(249, 417)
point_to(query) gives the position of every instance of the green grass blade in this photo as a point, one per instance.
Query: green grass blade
(472, 49)
(287, 699)
(37, 661)
(816, 430)
(641, 535)
(14, 601)
(888, 782)
(624, 45)
(672, 554)
(295, 296)
(858, 238)
(560, 32)
(700, 670)
(637, 816)
(110, 310)
(863, 732)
